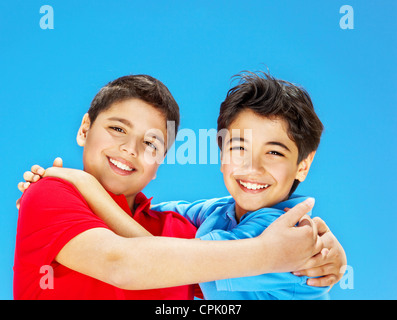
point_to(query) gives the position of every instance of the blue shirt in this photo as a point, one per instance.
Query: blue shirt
(216, 220)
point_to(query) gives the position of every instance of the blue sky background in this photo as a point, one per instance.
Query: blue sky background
(49, 77)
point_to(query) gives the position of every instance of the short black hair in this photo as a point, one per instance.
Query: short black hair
(271, 97)
(141, 86)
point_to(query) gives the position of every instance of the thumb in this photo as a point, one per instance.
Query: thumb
(58, 162)
(294, 215)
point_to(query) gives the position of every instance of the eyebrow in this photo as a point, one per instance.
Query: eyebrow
(122, 120)
(129, 124)
(277, 143)
(239, 139)
(157, 138)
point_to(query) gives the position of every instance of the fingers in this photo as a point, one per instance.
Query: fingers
(318, 246)
(294, 215)
(22, 186)
(33, 175)
(321, 225)
(36, 169)
(305, 221)
(18, 204)
(324, 257)
(321, 271)
(58, 162)
(329, 240)
(29, 176)
(325, 281)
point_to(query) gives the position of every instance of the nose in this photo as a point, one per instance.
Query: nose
(252, 165)
(130, 147)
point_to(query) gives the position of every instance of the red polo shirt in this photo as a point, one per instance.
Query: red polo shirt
(52, 213)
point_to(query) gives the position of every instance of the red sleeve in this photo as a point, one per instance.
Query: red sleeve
(52, 213)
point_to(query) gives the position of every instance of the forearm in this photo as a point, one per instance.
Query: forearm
(100, 202)
(107, 209)
(155, 262)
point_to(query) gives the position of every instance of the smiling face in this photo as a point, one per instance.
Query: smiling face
(260, 161)
(124, 146)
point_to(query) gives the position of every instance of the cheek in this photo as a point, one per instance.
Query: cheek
(228, 169)
(150, 171)
(284, 174)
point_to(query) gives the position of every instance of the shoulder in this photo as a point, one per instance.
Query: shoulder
(218, 203)
(48, 191)
(53, 205)
(49, 184)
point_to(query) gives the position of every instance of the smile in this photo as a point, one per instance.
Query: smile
(121, 165)
(253, 186)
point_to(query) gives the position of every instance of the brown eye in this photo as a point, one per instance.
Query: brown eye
(117, 129)
(237, 148)
(151, 145)
(275, 153)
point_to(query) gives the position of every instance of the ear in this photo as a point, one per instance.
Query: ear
(82, 133)
(220, 157)
(304, 166)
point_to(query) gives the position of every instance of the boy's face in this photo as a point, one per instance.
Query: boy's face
(124, 146)
(259, 162)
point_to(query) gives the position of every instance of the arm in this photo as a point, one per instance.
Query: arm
(324, 269)
(279, 256)
(280, 285)
(103, 205)
(153, 262)
(100, 202)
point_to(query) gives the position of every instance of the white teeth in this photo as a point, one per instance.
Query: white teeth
(120, 165)
(253, 186)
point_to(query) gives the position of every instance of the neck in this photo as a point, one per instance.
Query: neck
(131, 201)
(239, 212)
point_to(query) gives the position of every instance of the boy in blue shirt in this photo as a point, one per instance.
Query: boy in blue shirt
(268, 134)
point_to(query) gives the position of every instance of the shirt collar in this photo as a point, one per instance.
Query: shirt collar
(141, 204)
(293, 200)
(230, 212)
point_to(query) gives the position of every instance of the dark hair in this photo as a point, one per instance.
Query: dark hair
(270, 97)
(143, 87)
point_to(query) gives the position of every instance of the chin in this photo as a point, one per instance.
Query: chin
(113, 188)
(255, 206)
(251, 207)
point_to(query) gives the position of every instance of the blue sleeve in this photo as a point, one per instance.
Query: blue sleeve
(190, 210)
(279, 285)
(249, 227)
(283, 286)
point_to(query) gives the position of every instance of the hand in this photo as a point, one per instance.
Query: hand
(34, 175)
(292, 247)
(328, 264)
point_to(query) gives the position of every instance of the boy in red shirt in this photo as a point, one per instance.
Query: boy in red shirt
(64, 251)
